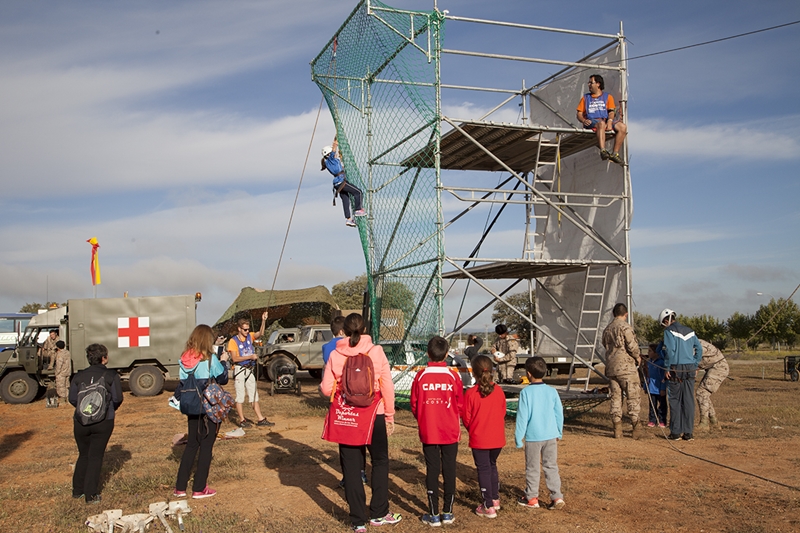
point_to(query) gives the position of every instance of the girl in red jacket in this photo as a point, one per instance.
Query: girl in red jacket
(484, 417)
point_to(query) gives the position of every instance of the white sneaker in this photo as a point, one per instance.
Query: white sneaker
(350, 222)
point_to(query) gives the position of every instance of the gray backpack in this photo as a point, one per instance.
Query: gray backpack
(93, 401)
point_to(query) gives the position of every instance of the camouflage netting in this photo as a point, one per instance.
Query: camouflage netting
(379, 76)
(314, 305)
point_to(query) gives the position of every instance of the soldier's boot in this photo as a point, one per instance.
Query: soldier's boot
(617, 429)
(637, 430)
(703, 425)
(713, 420)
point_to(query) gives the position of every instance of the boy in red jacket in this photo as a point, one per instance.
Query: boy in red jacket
(437, 396)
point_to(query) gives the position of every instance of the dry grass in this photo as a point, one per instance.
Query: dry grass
(284, 479)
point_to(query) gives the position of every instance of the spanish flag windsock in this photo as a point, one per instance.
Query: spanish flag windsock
(95, 268)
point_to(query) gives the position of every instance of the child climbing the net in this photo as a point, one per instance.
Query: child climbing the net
(349, 192)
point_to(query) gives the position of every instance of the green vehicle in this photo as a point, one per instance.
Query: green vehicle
(145, 338)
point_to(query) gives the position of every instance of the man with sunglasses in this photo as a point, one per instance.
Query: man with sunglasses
(243, 355)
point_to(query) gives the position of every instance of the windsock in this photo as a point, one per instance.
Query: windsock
(95, 266)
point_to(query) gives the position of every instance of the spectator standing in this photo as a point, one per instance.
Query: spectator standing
(93, 439)
(437, 398)
(337, 328)
(656, 387)
(484, 417)
(540, 425)
(201, 433)
(474, 345)
(682, 352)
(352, 457)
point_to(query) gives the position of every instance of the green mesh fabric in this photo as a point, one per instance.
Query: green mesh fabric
(379, 75)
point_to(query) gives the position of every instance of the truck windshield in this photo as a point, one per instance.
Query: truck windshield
(29, 337)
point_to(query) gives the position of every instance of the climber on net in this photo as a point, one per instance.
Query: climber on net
(597, 111)
(349, 192)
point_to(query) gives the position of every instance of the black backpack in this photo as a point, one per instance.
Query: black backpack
(94, 398)
(191, 395)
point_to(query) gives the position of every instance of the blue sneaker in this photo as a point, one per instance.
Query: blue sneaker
(432, 520)
(448, 518)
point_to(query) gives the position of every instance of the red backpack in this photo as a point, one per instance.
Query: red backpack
(358, 381)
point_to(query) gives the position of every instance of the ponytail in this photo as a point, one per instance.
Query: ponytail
(482, 371)
(353, 328)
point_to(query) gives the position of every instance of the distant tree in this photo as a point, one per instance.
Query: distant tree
(396, 295)
(647, 328)
(706, 327)
(350, 294)
(740, 327)
(504, 315)
(34, 307)
(777, 321)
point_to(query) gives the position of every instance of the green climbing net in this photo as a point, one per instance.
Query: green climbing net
(379, 75)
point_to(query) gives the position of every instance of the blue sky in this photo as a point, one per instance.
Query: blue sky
(176, 133)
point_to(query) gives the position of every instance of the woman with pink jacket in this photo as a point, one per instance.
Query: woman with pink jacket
(352, 457)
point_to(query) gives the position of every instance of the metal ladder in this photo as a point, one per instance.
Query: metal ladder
(594, 290)
(532, 237)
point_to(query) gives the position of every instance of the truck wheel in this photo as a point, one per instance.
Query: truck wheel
(794, 375)
(18, 387)
(274, 364)
(146, 381)
(315, 373)
(297, 388)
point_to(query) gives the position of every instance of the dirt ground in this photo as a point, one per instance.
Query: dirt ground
(284, 479)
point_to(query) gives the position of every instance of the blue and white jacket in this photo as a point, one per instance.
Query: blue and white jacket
(681, 346)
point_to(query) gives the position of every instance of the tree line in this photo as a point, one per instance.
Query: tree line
(775, 323)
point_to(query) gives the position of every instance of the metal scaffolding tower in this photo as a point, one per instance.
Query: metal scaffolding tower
(406, 140)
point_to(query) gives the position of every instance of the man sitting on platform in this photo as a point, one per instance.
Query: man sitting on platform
(596, 111)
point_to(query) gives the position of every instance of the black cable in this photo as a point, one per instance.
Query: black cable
(664, 435)
(714, 41)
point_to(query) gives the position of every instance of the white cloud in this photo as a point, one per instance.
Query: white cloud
(670, 236)
(738, 141)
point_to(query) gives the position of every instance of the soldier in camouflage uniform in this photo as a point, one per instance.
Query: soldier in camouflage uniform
(63, 368)
(509, 347)
(622, 368)
(48, 350)
(716, 367)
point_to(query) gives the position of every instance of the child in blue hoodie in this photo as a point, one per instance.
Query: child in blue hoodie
(540, 423)
(657, 387)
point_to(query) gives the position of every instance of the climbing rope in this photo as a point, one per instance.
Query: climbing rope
(300, 184)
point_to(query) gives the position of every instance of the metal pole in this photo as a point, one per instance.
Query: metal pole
(530, 27)
(435, 26)
(627, 192)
